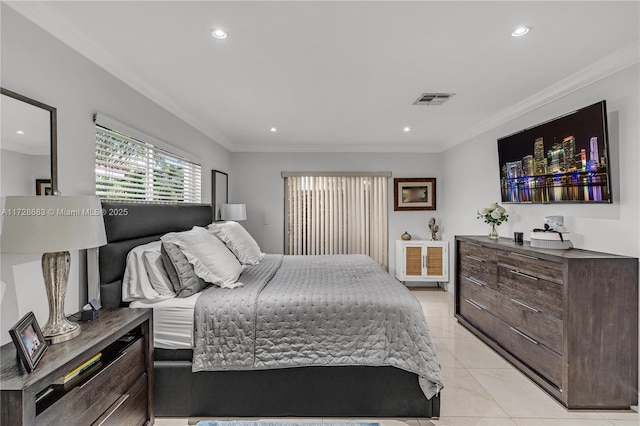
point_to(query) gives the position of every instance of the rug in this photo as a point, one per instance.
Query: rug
(241, 423)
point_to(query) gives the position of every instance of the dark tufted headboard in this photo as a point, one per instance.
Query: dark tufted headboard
(131, 224)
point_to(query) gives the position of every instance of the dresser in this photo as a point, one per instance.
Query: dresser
(118, 392)
(568, 319)
(418, 260)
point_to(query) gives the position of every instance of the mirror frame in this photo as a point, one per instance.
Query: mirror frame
(215, 175)
(53, 132)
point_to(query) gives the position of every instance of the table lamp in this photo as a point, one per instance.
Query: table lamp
(53, 225)
(234, 212)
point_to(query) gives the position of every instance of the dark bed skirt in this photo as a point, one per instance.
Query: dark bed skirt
(296, 392)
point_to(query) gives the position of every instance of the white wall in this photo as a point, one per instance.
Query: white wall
(471, 175)
(20, 171)
(255, 180)
(37, 65)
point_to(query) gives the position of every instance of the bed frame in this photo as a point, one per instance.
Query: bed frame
(356, 391)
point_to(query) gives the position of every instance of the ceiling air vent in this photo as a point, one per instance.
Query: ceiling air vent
(433, 98)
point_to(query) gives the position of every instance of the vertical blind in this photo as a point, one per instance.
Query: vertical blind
(337, 215)
(132, 170)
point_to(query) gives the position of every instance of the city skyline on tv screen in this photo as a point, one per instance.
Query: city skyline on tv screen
(563, 160)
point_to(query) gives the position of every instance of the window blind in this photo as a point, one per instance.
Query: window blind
(132, 170)
(337, 215)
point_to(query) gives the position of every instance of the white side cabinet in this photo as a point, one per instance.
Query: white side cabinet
(422, 260)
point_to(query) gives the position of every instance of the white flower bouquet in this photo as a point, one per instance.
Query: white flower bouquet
(494, 214)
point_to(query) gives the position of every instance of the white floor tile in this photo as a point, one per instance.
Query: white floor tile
(463, 396)
(445, 356)
(171, 421)
(621, 415)
(561, 422)
(471, 421)
(383, 421)
(519, 397)
(625, 422)
(472, 353)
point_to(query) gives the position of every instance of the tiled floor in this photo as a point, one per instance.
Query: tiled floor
(480, 387)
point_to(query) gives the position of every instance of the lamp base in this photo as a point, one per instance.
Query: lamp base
(64, 333)
(55, 268)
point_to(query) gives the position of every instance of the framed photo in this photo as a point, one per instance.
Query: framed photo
(29, 341)
(414, 194)
(43, 187)
(219, 192)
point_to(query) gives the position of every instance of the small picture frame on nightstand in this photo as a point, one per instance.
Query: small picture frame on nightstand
(29, 341)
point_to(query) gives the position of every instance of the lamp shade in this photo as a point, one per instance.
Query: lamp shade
(46, 224)
(234, 212)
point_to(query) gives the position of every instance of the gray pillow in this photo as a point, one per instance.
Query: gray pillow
(181, 274)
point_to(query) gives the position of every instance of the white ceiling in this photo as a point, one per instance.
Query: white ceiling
(342, 76)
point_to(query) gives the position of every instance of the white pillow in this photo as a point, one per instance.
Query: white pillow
(158, 276)
(211, 259)
(135, 282)
(239, 241)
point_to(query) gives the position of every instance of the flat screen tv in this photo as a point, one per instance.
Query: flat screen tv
(565, 160)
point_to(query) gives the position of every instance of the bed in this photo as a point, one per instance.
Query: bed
(275, 389)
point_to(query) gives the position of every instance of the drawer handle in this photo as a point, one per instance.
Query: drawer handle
(519, 302)
(474, 304)
(475, 281)
(117, 404)
(524, 335)
(103, 370)
(476, 258)
(525, 256)
(531, 277)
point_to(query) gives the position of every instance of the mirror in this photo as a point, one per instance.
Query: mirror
(29, 146)
(219, 192)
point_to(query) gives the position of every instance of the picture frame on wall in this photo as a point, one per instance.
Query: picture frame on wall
(29, 341)
(219, 192)
(43, 187)
(414, 194)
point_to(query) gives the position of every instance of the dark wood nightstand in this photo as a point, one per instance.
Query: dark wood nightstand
(118, 392)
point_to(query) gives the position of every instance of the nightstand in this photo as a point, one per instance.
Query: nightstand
(118, 392)
(418, 260)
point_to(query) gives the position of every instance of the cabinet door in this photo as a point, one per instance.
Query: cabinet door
(413, 261)
(437, 259)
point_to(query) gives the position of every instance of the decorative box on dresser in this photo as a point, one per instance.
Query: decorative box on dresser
(568, 319)
(119, 392)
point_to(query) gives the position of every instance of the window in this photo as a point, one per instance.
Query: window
(337, 214)
(132, 170)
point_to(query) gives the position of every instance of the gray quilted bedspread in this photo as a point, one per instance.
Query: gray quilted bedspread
(296, 311)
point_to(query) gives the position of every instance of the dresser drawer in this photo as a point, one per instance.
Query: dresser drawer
(477, 314)
(480, 271)
(531, 352)
(130, 409)
(478, 252)
(544, 328)
(540, 268)
(92, 398)
(481, 294)
(545, 296)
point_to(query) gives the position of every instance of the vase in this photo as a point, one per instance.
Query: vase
(493, 232)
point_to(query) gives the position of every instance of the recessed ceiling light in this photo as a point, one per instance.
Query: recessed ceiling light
(520, 31)
(407, 129)
(273, 130)
(219, 33)
(20, 132)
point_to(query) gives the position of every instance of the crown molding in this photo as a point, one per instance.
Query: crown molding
(327, 148)
(611, 64)
(43, 16)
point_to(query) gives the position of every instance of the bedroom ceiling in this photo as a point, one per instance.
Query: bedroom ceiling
(342, 76)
